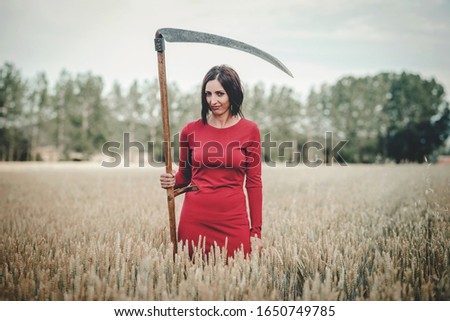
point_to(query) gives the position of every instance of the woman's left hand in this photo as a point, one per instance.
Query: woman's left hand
(256, 243)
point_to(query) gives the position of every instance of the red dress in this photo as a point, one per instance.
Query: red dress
(219, 161)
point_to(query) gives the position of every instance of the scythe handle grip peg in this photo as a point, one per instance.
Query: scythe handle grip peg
(186, 189)
(159, 44)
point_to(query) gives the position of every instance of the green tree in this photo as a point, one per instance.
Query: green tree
(89, 122)
(386, 116)
(39, 101)
(64, 102)
(153, 121)
(255, 106)
(134, 109)
(116, 103)
(278, 114)
(13, 141)
(418, 118)
(356, 114)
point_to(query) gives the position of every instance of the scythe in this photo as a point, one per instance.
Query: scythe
(181, 35)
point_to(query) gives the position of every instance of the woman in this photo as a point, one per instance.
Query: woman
(218, 153)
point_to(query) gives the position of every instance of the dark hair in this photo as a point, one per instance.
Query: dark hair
(230, 82)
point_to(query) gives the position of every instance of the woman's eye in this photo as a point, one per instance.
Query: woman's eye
(207, 94)
(220, 94)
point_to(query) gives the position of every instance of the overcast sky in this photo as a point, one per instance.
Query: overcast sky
(319, 41)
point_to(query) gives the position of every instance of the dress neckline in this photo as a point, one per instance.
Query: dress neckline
(222, 128)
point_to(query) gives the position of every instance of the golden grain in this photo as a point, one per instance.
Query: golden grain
(333, 233)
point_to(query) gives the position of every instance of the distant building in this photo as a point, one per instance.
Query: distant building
(47, 153)
(443, 159)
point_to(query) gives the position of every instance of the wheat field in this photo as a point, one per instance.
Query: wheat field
(362, 232)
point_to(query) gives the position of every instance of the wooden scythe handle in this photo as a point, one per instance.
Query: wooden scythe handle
(167, 151)
(171, 193)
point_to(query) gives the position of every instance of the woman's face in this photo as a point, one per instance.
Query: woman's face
(217, 98)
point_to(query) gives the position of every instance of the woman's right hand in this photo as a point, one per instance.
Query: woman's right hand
(167, 180)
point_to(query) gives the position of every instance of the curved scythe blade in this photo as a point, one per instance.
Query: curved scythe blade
(181, 35)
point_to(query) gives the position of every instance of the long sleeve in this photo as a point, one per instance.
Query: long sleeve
(184, 173)
(253, 181)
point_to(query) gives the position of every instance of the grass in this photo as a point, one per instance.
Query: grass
(82, 232)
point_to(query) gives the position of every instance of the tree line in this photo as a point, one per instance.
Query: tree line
(385, 117)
